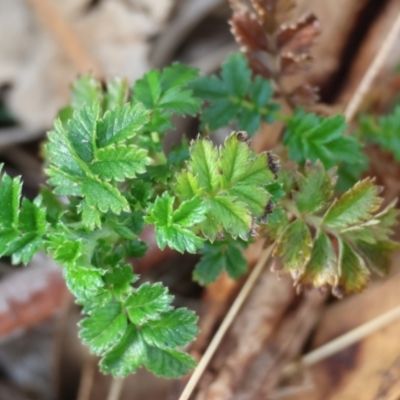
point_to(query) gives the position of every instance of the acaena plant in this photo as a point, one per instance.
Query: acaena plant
(108, 178)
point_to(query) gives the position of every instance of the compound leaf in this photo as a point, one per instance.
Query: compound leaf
(235, 96)
(311, 137)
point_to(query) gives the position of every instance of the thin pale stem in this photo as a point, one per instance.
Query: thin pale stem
(115, 389)
(344, 341)
(227, 322)
(87, 379)
(372, 71)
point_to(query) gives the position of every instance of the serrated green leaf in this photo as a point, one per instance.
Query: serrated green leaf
(210, 265)
(158, 173)
(204, 164)
(209, 88)
(121, 123)
(255, 198)
(135, 248)
(311, 137)
(235, 263)
(31, 227)
(91, 217)
(350, 174)
(179, 154)
(83, 281)
(257, 172)
(178, 75)
(294, 248)
(234, 158)
(59, 153)
(236, 74)
(54, 207)
(222, 112)
(120, 277)
(315, 188)
(95, 302)
(231, 214)
(249, 120)
(177, 238)
(210, 228)
(147, 303)
(32, 217)
(10, 194)
(7, 236)
(148, 89)
(180, 101)
(81, 131)
(64, 184)
(168, 231)
(23, 248)
(187, 185)
(377, 255)
(129, 225)
(167, 91)
(190, 212)
(127, 355)
(168, 363)
(260, 91)
(103, 196)
(322, 269)
(141, 191)
(119, 162)
(235, 97)
(378, 228)
(160, 122)
(353, 274)
(64, 251)
(160, 213)
(384, 132)
(103, 327)
(175, 328)
(355, 206)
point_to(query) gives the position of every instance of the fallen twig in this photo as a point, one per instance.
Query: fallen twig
(231, 315)
(372, 71)
(343, 341)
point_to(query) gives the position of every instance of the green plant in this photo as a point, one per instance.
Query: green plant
(109, 177)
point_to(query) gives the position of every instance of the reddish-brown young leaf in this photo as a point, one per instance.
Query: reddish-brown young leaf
(273, 12)
(258, 67)
(292, 63)
(281, 8)
(248, 32)
(304, 95)
(299, 37)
